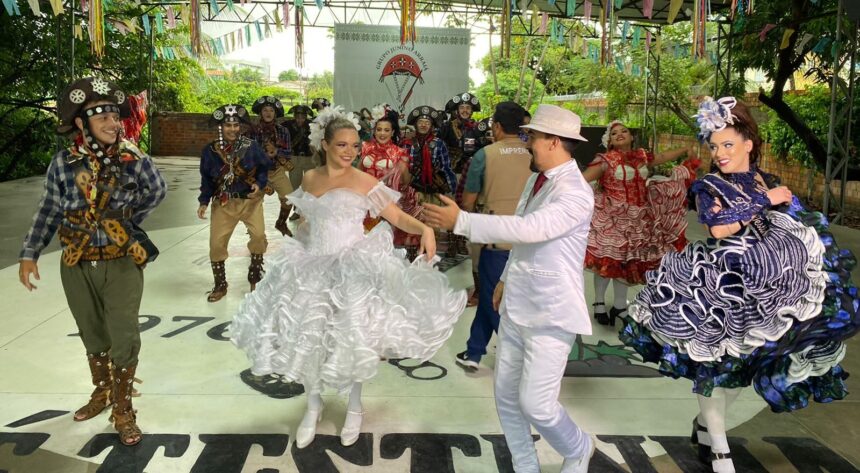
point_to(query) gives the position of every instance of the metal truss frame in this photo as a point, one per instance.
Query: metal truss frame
(842, 91)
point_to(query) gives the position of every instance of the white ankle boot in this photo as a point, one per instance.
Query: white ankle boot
(351, 428)
(308, 428)
(580, 464)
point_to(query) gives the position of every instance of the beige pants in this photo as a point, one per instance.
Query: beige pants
(301, 165)
(280, 182)
(224, 220)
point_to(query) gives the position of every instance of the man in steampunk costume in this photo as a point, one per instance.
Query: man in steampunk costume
(303, 157)
(233, 173)
(431, 165)
(274, 139)
(463, 138)
(97, 193)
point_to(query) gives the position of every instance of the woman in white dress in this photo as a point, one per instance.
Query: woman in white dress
(336, 300)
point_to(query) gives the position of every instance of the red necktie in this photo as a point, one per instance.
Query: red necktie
(538, 183)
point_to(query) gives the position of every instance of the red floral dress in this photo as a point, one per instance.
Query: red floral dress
(381, 161)
(636, 220)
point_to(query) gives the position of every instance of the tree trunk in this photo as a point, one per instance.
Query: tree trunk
(523, 69)
(816, 147)
(534, 76)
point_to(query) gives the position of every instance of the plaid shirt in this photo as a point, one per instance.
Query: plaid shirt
(260, 134)
(61, 194)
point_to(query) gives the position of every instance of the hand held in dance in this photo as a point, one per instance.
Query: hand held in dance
(779, 195)
(201, 211)
(442, 217)
(497, 295)
(428, 244)
(25, 269)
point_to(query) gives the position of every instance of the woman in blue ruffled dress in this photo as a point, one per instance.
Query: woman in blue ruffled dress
(767, 301)
(336, 300)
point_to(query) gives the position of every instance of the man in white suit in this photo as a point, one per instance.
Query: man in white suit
(541, 294)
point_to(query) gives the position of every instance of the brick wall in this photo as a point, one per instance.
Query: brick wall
(805, 183)
(181, 134)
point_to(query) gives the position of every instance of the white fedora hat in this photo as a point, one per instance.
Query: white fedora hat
(557, 121)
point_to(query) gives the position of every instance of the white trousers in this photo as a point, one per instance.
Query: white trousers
(529, 366)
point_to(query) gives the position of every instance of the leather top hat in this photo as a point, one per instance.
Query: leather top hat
(86, 90)
(428, 112)
(230, 113)
(465, 97)
(272, 102)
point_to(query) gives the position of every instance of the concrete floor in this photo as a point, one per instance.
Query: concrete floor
(201, 412)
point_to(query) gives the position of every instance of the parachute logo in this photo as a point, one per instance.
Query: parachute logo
(400, 75)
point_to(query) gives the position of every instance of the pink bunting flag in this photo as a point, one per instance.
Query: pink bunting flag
(544, 19)
(586, 9)
(171, 17)
(286, 15)
(648, 8)
(647, 40)
(765, 30)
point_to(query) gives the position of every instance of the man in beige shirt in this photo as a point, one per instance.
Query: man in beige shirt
(494, 183)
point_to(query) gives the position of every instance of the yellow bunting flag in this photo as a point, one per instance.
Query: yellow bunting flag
(34, 5)
(57, 7)
(785, 38)
(674, 8)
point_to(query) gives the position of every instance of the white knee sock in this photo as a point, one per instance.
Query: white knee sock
(620, 291)
(600, 285)
(354, 403)
(713, 409)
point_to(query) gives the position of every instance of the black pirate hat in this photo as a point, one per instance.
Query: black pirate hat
(301, 109)
(428, 112)
(229, 113)
(87, 90)
(273, 102)
(465, 97)
(485, 124)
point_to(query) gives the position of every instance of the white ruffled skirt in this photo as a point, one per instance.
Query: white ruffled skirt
(325, 320)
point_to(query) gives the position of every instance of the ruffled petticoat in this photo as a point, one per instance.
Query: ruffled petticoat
(627, 240)
(769, 310)
(325, 320)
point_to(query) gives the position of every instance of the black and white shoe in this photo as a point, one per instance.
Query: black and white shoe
(467, 362)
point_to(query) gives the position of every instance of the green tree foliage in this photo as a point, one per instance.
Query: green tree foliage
(240, 85)
(811, 106)
(795, 18)
(321, 86)
(34, 67)
(285, 76)
(565, 72)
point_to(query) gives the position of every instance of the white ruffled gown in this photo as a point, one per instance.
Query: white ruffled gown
(335, 300)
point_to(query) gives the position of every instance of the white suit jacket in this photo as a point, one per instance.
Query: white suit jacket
(549, 232)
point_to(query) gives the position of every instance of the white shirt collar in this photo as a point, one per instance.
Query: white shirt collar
(549, 173)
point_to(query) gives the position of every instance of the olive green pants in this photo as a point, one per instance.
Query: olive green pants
(104, 297)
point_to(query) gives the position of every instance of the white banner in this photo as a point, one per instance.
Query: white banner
(372, 67)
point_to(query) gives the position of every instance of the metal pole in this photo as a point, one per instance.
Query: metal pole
(832, 148)
(149, 97)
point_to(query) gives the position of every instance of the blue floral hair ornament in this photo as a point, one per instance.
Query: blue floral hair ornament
(714, 115)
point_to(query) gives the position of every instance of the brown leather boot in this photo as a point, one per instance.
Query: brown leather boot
(124, 417)
(255, 270)
(100, 398)
(281, 223)
(220, 289)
